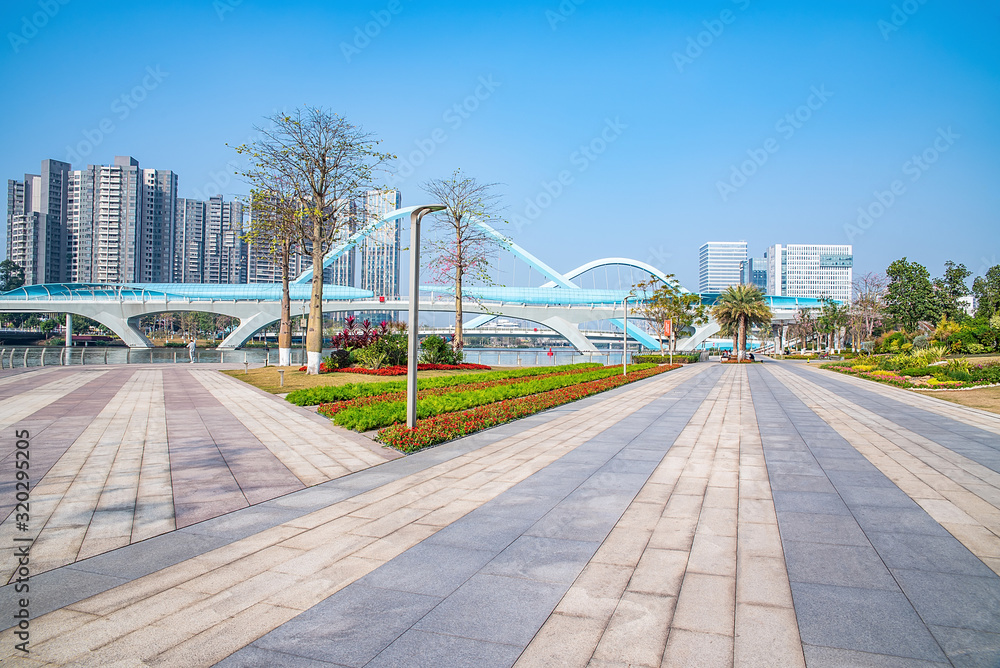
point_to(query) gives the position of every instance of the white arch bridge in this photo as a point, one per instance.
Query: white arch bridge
(559, 305)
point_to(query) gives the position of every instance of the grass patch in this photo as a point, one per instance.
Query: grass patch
(987, 398)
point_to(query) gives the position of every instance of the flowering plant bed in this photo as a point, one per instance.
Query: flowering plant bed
(449, 426)
(326, 394)
(386, 410)
(401, 370)
(930, 378)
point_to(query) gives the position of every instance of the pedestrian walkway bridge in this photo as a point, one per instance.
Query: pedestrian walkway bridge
(559, 304)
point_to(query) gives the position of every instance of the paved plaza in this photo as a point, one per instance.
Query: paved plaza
(765, 515)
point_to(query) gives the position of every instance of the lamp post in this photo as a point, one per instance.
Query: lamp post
(414, 314)
(625, 338)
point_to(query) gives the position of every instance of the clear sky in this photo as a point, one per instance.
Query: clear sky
(668, 123)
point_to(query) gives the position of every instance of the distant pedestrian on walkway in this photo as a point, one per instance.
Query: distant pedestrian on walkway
(191, 347)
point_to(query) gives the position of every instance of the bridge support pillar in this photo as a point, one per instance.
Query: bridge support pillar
(571, 333)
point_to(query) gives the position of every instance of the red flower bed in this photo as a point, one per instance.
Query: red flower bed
(449, 426)
(401, 370)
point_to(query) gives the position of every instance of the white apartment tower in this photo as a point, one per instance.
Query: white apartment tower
(36, 223)
(810, 270)
(721, 264)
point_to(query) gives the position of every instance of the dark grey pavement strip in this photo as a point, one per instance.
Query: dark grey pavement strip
(977, 444)
(875, 580)
(74, 582)
(477, 591)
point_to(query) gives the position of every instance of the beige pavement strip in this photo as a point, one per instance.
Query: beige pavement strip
(87, 502)
(15, 409)
(924, 400)
(694, 573)
(219, 601)
(311, 453)
(960, 494)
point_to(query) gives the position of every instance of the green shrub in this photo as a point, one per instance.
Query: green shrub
(977, 348)
(988, 373)
(338, 359)
(921, 342)
(665, 359)
(435, 350)
(923, 371)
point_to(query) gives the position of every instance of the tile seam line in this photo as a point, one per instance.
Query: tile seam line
(881, 559)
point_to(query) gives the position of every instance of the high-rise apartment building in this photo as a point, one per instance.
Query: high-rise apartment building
(36, 223)
(810, 270)
(379, 251)
(208, 242)
(720, 264)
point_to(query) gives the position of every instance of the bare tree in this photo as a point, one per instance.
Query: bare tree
(327, 163)
(274, 223)
(461, 248)
(868, 306)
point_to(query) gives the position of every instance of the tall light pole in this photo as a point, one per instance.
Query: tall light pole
(625, 338)
(414, 315)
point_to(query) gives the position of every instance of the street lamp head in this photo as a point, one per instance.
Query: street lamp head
(429, 208)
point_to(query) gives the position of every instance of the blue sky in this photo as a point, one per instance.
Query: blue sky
(668, 123)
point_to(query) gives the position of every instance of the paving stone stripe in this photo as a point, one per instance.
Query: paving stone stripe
(925, 400)
(510, 559)
(12, 384)
(313, 455)
(961, 495)
(17, 408)
(696, 577)
(53, 428)
(859, 551)
(911, 410)
(110, 487)
(223, 599)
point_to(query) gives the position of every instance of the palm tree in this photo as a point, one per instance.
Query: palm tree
(744, 306)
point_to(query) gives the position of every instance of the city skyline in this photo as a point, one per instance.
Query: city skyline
(750, 121)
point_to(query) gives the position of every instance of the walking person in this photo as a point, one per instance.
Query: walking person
(191, 346)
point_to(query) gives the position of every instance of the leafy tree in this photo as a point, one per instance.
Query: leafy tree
(659, 302)
(49, 326)
(327, 164)
(11, 275)
(460, 247)
(910, 297)
(950, 288)
(744, 307)
(987, 292)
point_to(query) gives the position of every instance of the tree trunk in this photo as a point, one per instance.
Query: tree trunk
(314, 333)
(458, 344)
(741, 353)
(285, 329)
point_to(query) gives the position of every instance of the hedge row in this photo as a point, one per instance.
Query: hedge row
(314, 396)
